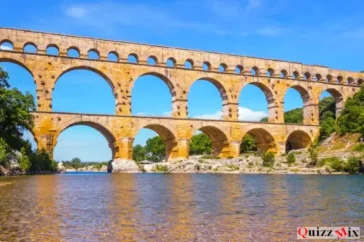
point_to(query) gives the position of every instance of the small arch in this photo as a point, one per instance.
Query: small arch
(73, 52)
(350, 80)
(239, 69)
(318, 77)
(283, 74)
(264, 140)
(307, 76)
(152, 60)
(189, 64)
(93, 54)
(222, 68)
(52, 49)
(360, 82)
(298, 111)
(133, 58)
(295, 75)
(171, 62)
(30, 48)
(6, 45)
(113, 56)
(206, 66)
(338, 97)
(340, 79)
(270, 72)
(254, 71)
(329, 78)
(297, 140)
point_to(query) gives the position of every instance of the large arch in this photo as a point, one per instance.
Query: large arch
(166, 136)
(298, 139)
(98, 127)
(18, 63)
(303, 109)
(339, 99)
(210, 114)
(264, 140)
(67, 95)
(154, 93)
(218, 138)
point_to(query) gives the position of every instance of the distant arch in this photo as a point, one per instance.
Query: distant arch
(220, 87)
(6, 45)
(206, 66)
(297, 140)
(52, 49)
(171, 62)
(18, 63)
(161, 76)
(189, 64)
(30, 47)
(255, 71)
(219, 140)
(73, 52)
(113, 56)
(93, 54)
(133, 58)
(222, 68)
(152, 60)
(239, 69)
(339, 99)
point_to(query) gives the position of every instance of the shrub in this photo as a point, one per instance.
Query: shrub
(354, 166)
(268, 159)
(161, 168)
(233, 167)
(197, 167)
(250, 164)
(291, 158)
(358, 147)
(24, 161)
(333, 162)
(209, 157)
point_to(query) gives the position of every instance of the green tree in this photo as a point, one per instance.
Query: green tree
(291, 158)
(200, 144)
(138, 153)
(294, 116)
(327, 125)
(248, 144)
(4, 152)
(76, 163)
(15, 113)
(155, 149)
(352, 116)
(24, 161)
(268, 159)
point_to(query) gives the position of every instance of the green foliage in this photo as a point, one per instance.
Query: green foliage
(268, 159)
(138, 153)
(294, 116)
(4, 152)
(358, 147)
(352, 116)
(354, 166)
(333, 162)
(161, 168)
(200, 144)
(41, 161)
(248, 144)
(291, 158)
(24, 161)
(313, 154)
(327, 125)
(264, 120)
(207, 157)
(76, 163)
(155, 149)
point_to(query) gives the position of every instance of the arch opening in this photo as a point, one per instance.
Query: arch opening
(171, 62)
(260, 141)
(222, 68)
(152, 60)
(6, 45)
(133, 58)
(209, 140)
(298, 140)
(93, 54)
(206, 66)
(73, 52)
(254, 71)
(254, 101)
(88, 141)
(113, 56)
(296, 101)
(189, 64)
(98, 99)
(30, 48)
(270, 72)
(154, 143)
(331, 102)
(283, 74)
(206, 99)
(239, 69)
(152, 95)
(52, 50)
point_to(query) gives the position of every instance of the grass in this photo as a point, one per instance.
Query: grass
(233, 167)
(358, 147)
(206, 157)
(161, 168)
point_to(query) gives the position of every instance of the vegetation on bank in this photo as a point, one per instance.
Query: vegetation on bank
(77, 164)
(15, 117)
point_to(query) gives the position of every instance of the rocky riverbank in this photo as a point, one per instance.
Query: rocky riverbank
(92, 168)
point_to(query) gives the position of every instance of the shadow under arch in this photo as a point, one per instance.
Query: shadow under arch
(264, 140)
(100, 128)
(297, 140)
(167, 137)
(218, 138)
(339, 99)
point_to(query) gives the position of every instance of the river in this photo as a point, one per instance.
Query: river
(175, 207)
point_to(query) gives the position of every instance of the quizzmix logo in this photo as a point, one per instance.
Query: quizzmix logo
(328, 233)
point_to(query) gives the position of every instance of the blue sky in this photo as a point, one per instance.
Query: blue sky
(329, 33)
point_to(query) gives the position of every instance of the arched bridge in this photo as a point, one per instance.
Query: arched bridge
(121, 63)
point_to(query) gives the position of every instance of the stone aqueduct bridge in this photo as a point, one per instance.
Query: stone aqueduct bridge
(229, 73)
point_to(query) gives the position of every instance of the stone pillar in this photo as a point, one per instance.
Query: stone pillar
(44, 92)
(179, 108)
(311, 114)
(123, 160)
(181, 149)
(230, 111)
(123, 104)
(280, 147)
(221, 148)
(275, 111)
(235, 148)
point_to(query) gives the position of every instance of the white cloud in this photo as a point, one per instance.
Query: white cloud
(76, 12)
(4, 47)
(245, 114)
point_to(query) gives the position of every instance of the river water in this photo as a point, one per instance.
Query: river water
(175, 207)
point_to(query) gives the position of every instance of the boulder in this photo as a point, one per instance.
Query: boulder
(61, 168)
(123, 166)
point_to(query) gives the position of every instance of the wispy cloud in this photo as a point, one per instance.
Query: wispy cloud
(76, 12)
(245, 114)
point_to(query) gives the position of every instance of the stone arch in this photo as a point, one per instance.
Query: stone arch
(219, 140)
(9, 42)
(32, 44)
(90, 53)
(97, 126)
(206, 66)
(220, 87)
(49, 49)
(339, 99)
(189, 64)
(264, 140)
(167, 137)
(298, 139)
(18, 63)
(161, 76)
(113, 56)
(306, 102)
(171, 62)
(360, 82)
(74, 48)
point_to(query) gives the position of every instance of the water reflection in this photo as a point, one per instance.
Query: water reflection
(180, 207)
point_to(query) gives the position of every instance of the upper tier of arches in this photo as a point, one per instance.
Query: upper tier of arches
(171, 57)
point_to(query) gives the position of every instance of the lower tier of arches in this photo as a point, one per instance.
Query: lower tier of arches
(225, 136)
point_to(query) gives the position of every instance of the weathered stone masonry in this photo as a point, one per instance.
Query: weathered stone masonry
(273, 77)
